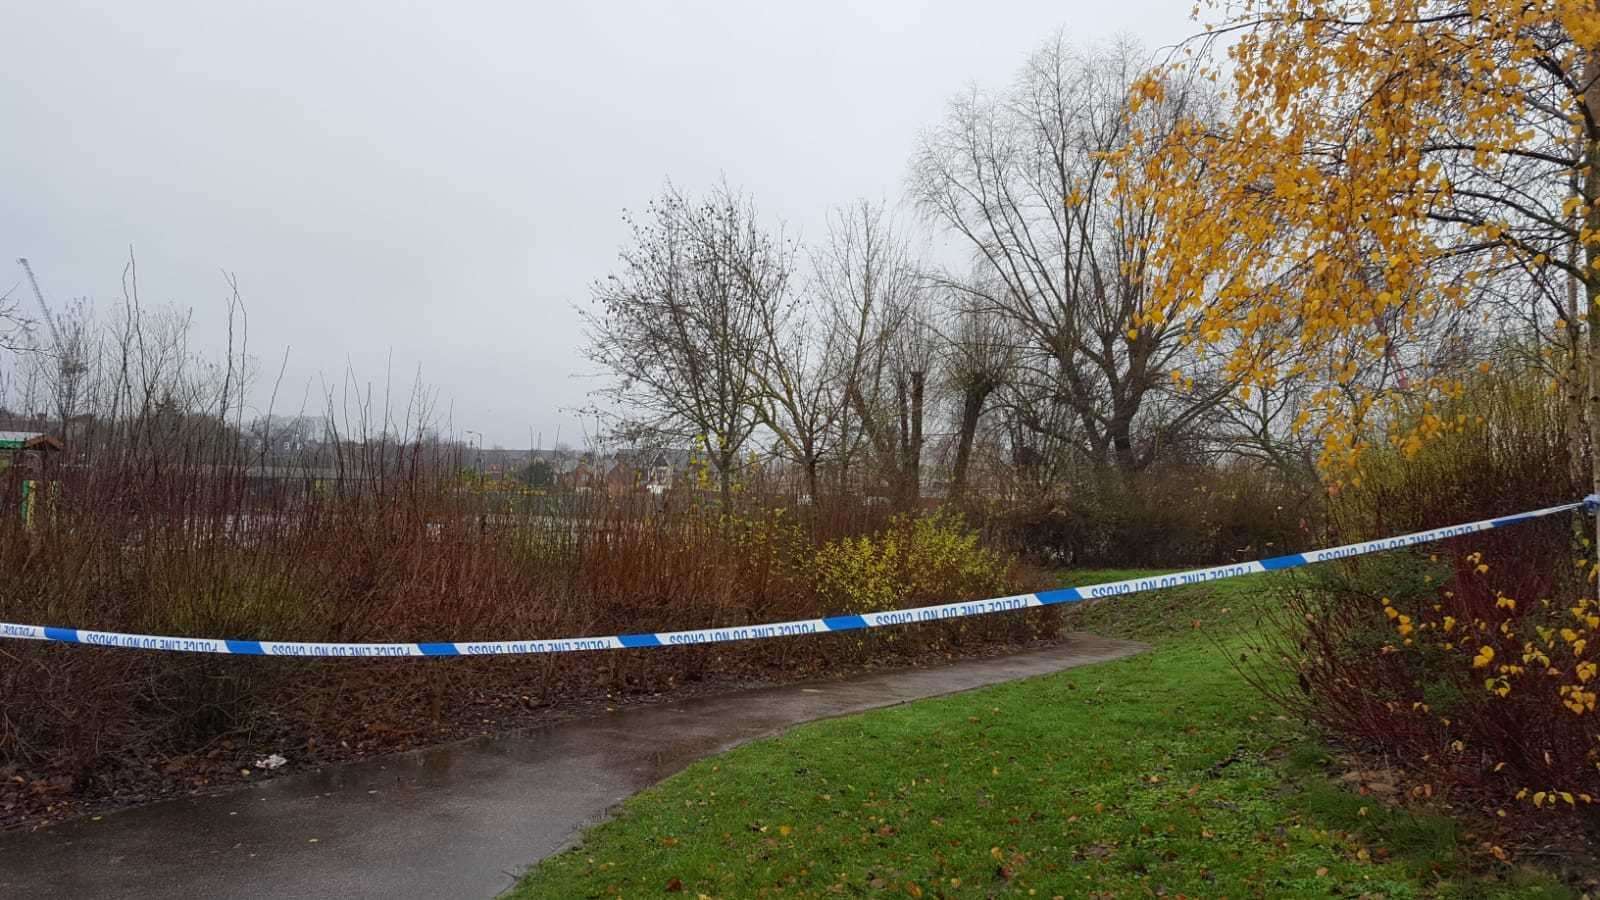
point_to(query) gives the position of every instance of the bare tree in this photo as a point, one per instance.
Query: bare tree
(13, 324)
(679, 324)
(980, 353)
(800, 400)
(1026, 178)
(883, 345)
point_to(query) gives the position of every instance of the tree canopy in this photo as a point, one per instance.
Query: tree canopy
(1396, 180)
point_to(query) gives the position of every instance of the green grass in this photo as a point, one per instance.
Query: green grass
(1161, 774)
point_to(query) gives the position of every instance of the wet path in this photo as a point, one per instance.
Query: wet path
(454, 821)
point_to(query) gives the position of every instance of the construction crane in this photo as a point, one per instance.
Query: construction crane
(69, 366)
(44, 311)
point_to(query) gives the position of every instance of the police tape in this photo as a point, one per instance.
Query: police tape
(886, 618)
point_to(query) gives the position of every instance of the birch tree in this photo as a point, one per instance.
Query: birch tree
(1390, 165)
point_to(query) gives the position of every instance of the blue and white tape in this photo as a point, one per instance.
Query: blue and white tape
(883, 619)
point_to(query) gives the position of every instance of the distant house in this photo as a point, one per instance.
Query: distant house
(621, 479)
(29, 440)
(580, 478)
(659, 479)
(618, 474)
(22, 455)
(25, 450)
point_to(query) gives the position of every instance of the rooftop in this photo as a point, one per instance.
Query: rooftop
(28, 440)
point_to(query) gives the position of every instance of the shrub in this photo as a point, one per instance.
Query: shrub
(179, 546)
(1166, 516)
(915, 560)
(1499, 446)
(1472, 665)
(925, 560)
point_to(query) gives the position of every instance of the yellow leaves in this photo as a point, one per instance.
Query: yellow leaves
(1552, 797)
(1586, 672)
(1576, 699)
(1532, 654)
(1449, 624)
(1484, 657)
(1306, 196)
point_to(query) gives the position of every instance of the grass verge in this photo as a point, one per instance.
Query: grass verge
(1163, 774)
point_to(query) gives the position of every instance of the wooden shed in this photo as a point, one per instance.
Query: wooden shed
(29, 440)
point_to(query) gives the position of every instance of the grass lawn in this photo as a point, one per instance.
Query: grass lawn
(1163, 774)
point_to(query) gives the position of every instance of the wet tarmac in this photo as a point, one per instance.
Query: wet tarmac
(459, 820)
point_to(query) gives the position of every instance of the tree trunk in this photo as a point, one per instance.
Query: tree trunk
(1591, 269)
(911, 467)
(725, 482)
(972, 400)
(1574, 375)
(902, 461)
(1573, 382)
(1120, 432)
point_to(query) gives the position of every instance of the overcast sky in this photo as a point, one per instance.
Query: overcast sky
(442, 182)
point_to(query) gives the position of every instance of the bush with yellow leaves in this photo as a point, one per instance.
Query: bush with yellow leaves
(921, 560)
(1476, 665)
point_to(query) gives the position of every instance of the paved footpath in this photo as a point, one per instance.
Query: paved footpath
(459, 820)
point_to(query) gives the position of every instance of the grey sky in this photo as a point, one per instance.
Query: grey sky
(444, 181)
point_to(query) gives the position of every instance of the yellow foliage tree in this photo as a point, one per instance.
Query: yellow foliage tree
(1387, 165)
